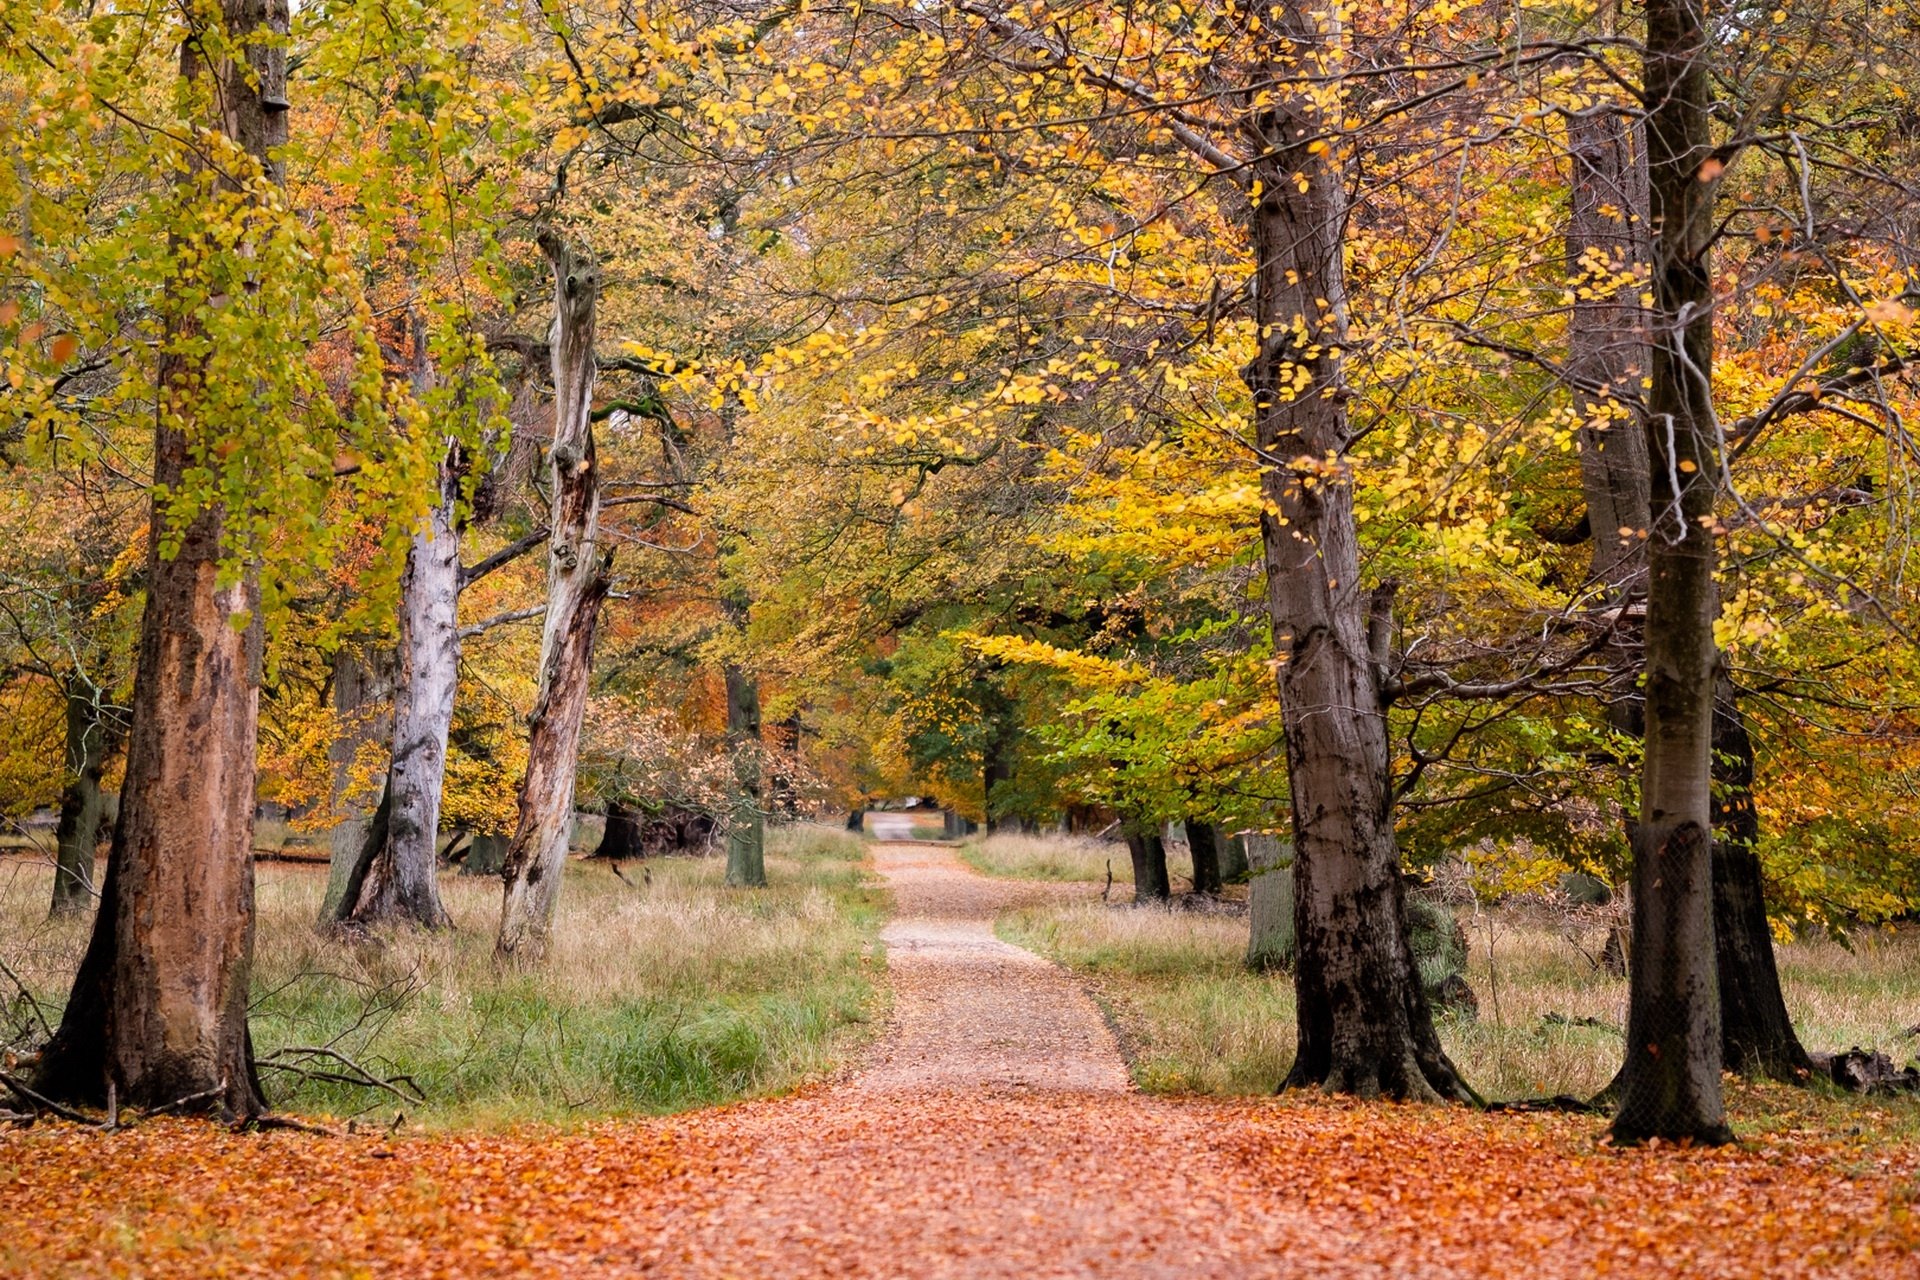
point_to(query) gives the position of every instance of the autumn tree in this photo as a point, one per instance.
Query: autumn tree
(159, 1008)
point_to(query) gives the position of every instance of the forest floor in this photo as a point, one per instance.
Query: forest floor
(991, 1131)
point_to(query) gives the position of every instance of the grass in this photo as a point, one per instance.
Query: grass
(1050, 857)
(1193, 1019)
(667, 993)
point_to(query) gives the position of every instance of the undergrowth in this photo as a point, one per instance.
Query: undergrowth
(664, 990)
(1193, 1019)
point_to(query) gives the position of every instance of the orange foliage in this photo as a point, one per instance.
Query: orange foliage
(854, 1183)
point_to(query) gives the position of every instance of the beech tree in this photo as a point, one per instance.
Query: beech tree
(158, 1012)
(1670, 1086)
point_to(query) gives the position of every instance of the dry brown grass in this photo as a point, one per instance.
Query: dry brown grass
(1195, 1020)
(1047, 857)
(666, 992)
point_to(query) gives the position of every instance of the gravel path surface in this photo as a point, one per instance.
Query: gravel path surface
(971, 1011)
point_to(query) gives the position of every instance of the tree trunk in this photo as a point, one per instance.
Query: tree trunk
(395, 879)
(158, 1010)
(1756, 1035)
(623, 839)
(996, 771)
(1364, 1025)
(1270, 908)
(747, 828)
(1233, 859)
(1203, 843)
(856, 819)
(363, 674)
(577, 580)
(1607, 352)
(1670, 1084)
(1149, 854)
(90, 740)
(486, 855)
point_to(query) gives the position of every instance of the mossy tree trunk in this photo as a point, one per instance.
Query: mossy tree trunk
(747, 826)
(363, 674)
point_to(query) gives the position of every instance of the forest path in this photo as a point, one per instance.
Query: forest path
(971, 1011)
(990, 1133)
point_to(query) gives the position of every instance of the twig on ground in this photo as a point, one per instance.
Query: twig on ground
(359, 1076)
(27, 995)
(262, 1124)
(181, 1104)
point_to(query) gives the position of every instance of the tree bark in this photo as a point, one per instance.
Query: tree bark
(577, 581)
(856, 819)
(1607, 354)
(1756, 1034)
(395, 879)
(1149, 854)
(1364, 1024)
(90, 740)
(1233, 859)
(1670, 1084)
(1270, 909)
(1203, 843)
(622, 839)
(747, 828)
(363, 673)
(158, 1011)
(996, 771)
(486, 854)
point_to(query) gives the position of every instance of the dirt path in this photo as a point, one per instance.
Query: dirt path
(971, 1011)
(990, 1134)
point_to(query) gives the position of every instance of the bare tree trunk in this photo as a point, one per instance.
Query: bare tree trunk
(90, 740)
(158, 1011)
(1270, 912)
(1203, 844)
(1670, 1085)
(996, 772)
(577, 580)
(363, 674)
(1756, 1034)
(1364, 1024)
(623, 837)
(1607, 354)
(394, 879)
(746, 830)
(1149, 854)
(1608, 348)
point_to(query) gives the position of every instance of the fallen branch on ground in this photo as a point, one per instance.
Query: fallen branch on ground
(43, 1102)
(352, 1074)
